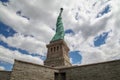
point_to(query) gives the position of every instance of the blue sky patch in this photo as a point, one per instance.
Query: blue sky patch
(104, 11)
(69, 31)
(4, 0)
(76, 57)
(6, 65)
(6, 30)
(100, 39)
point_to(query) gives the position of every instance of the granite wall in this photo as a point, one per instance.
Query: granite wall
(101, 71)
(5, 75)
(29, 71)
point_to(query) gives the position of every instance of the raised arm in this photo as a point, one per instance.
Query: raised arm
(61, 10)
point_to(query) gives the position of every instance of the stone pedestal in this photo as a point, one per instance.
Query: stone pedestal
(57, 54)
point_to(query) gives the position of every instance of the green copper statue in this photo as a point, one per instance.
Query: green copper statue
(59, 28)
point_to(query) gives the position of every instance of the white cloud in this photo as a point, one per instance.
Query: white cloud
(43, 18)
(2, 68)
(110, 50)
(71, 60)
(34, 27)
(9, 56)
(28, 43)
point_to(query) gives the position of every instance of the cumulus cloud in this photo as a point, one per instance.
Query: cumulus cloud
(93, 27)
(28, 43)
(9, 56)
(79, 16)
(2, 68)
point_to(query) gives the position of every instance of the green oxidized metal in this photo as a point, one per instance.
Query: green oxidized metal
(59, 28)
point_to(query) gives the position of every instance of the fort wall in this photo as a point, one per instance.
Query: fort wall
(101, 71)
(29, 71)
(5, 75)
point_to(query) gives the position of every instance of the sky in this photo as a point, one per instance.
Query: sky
(92, 30)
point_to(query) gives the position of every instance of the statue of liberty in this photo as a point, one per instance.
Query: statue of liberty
(59, 28)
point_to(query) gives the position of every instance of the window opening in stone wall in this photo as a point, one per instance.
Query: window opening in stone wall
(51, 49)
(54, 49)
(57, 48)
